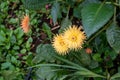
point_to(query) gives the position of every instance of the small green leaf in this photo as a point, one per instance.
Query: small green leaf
(28, 43)
(93, 64)
(8, 46)
(112, 34)
(13, 39)
(13, 60)
(2, 36)
(16, 47)
(64, 24)
(13, 21)
(23, 51)
(19, 33)
(55, 11)
(44, 53)
(84, 58)
(97, 57)
(47, 30)
(94, 16)
(7, 65)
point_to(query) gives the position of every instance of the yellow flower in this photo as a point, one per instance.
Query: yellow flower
(25, 24)
(60, 46)
(74, 37)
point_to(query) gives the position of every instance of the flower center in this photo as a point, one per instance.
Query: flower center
(62, 43)
(73, 38)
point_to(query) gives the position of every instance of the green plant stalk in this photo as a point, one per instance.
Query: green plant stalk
(55, 65)
(89, 73)
(114, 18)
(104, 28)
(113, 3)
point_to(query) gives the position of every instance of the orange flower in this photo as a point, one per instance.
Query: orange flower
(88, 50)
(25, 24)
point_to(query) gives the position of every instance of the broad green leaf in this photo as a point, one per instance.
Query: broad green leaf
(55, 11)
(77, 12)
(87, 2)
(65, 23)
(36, 4)
(44, 52)
(94, 16)
(113, 37)
(45, 73)
(80, 70)
(115, 76)
(47, 30)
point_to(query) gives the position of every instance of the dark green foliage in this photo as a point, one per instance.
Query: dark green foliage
(94, 17)
(36, 4)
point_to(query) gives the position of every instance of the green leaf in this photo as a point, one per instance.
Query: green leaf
(47, 30)
(93, 64)
(45, 73)
(79, 69)
(57, 65)
(117, 75)
(88, 74)
(14, 60)
(97, 57)
(55, 11)
(64, 24)
(44, 52)
(77, 12)
(28, 43)
(9, 75)
(2, 36)
(94, 16)
(36, 4)
(113, 37)
(84, 58)
(13, 39)
(13, 20)
(23, 51)
(7, 65)
(16, 47)
(19, 33)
